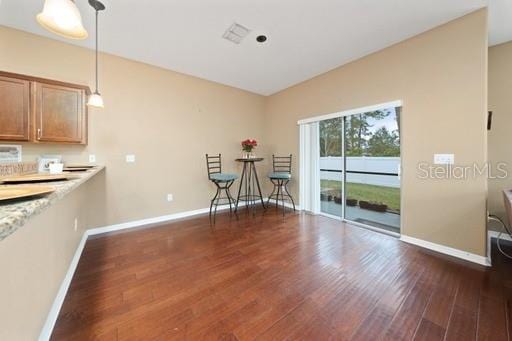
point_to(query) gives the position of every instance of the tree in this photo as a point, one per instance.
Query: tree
(357, 130)
(384, 143)
(330, 137)
(359, 138)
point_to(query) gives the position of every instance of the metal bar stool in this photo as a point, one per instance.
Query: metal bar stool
(223, 181)
(280, 177)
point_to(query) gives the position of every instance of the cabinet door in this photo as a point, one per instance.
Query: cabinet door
(14, 109)
(60, 114)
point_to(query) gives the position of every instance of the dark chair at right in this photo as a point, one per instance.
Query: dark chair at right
(280, 177)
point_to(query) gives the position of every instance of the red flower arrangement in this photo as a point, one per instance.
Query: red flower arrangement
(248, 145)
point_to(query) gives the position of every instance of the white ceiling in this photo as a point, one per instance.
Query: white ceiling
(306, 37)
(500, 21)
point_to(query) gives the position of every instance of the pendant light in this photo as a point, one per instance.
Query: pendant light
(95, 100)
(63, 18)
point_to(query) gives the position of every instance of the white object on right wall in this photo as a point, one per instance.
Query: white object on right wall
(444, 159)
(130, 158)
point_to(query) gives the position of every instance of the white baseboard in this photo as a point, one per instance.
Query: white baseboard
(154, 220)
(165, 218)
(46, 332)
(149, 221)
(286, 203)
(471, 257)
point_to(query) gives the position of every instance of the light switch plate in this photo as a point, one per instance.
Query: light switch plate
(170, 197)
(92, 158)
(130, 158)
(444, 159)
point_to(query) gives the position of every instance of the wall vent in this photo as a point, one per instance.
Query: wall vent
(236, 33)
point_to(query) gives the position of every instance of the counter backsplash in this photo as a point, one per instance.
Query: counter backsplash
(17, 168)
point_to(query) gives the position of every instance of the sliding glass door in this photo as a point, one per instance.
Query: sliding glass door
(372, 163)
(359, 168)
(331, 166)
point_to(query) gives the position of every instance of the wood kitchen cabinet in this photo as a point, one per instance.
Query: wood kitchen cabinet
(14, 109)
(59, 113)
(42, 110)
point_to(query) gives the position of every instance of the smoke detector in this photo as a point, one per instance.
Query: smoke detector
(236, 33)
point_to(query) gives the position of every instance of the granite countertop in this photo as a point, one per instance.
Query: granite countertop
(14, 214)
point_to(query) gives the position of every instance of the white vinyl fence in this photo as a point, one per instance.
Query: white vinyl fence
(363, 164)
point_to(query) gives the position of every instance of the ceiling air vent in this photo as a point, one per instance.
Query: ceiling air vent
(236, 33)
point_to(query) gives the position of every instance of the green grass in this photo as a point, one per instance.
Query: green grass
(387, 195)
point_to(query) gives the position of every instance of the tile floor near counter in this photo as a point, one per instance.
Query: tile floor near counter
(303, 277)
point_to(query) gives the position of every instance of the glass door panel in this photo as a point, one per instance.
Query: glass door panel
(331, 166)
(372, 161)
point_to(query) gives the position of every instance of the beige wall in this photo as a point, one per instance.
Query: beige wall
(441, 76)
(167, 119)
(500, 102)
(33, 263)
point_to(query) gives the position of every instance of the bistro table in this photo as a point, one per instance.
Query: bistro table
(250, 183)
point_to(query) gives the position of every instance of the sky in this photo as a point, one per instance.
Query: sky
(389, 122)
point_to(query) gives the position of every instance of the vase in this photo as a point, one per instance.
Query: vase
(247, 155)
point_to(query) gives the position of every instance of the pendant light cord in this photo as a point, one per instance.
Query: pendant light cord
(97, 51)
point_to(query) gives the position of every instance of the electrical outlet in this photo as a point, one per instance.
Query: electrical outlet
(170, 197)
(130, 158)
(76, 224)
(92, 158)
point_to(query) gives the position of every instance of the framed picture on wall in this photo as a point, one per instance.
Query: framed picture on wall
(10, 153)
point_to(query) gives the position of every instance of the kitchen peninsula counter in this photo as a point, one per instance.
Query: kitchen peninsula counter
(14, 214)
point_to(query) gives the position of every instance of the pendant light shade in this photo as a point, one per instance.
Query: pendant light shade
(63, 18)
(95, 100)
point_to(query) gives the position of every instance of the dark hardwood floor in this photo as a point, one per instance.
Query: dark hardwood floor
(264, 277)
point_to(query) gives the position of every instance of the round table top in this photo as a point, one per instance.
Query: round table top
(251, 159)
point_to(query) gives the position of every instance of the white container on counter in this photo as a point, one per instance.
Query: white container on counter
(56, 168)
